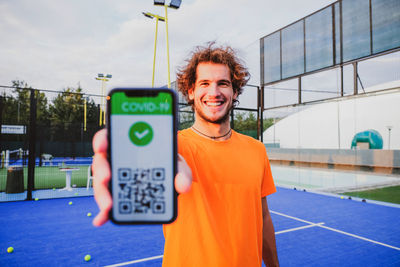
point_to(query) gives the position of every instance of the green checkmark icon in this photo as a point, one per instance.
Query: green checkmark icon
(141, 133)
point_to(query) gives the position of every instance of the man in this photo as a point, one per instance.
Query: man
(224, 177)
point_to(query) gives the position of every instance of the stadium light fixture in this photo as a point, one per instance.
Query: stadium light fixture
(175, 4)
(159, 2)
(151, 16)
(103, 79)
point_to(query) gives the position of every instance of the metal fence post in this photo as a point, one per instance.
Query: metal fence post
(32, 146)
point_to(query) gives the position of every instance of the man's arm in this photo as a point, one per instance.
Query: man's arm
(269, 253)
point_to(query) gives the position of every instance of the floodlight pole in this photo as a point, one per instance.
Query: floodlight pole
(175, 5)
(155, 51)
(166, 28)
(84, 113)
(151, 16)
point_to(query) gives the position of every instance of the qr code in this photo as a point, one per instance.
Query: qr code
(141, 190)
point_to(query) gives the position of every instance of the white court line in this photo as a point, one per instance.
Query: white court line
(311, 224)
(336, 230)
(135, 261)
(299, 228)
(160, 256)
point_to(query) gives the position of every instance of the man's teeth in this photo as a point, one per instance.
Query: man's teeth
(214, 104)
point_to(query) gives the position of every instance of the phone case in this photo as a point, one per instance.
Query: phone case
(143, 172)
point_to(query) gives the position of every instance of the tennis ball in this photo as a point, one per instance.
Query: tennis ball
(88, 257)
(54, 189)
(70, 203)
(89, 214)
(10, 249)
(341, 197)
(36, 199)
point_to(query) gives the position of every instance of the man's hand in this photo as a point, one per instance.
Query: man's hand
(102, 175)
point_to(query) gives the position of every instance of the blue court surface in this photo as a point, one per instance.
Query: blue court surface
(311, 230)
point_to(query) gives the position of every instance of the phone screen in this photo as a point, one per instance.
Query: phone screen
(142, 135)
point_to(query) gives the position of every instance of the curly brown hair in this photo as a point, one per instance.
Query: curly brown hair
(186, 76)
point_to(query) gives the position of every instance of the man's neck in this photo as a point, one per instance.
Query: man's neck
(212, 130)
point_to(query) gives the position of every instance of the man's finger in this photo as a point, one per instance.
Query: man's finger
(101, 178)
(100, 142)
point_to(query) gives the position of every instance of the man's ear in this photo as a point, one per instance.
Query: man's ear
(191, 94)
(235, 95)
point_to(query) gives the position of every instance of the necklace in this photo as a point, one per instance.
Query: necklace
(209, 136)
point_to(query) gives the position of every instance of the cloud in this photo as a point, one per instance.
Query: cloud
(56, 44)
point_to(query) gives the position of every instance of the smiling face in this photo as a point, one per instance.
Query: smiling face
(212, 93)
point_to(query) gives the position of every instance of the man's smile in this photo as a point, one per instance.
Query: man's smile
(214, 103)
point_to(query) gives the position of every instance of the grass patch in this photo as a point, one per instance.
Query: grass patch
(49, 177)
(387, 194)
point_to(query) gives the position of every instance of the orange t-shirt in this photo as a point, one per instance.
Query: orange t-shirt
(219, 220)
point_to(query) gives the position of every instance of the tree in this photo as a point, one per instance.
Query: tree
(186, 119)
(246, 123)
(16, 110)
(17, 104)
(66, 114)
(60, 120)
(23, 98)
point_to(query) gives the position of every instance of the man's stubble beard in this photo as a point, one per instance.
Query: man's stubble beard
(220, 120)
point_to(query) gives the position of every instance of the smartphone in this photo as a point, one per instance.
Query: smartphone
(142, 132)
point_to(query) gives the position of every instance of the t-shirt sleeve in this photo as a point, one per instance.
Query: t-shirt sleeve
(267, 186)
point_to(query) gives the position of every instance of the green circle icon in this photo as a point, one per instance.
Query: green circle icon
(141, 133)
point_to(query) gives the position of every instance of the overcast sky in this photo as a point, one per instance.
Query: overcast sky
(58, 44)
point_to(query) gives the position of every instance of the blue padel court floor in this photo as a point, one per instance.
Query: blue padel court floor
(311, 230)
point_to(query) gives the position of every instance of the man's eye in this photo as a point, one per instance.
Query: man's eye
(203, 84)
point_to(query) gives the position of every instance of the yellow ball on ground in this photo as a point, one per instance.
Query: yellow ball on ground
(89, 214)
(10, 249)
(88, 257)
(36, 199)
(70, 203)
(341, 197)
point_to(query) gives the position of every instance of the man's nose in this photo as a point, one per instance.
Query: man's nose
(213, 89)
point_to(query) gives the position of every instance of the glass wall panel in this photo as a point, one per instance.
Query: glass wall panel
(245, 122)
(381, 72)
(356, 29)
(385, 24)
(321, 85)
(311, 145)
(315, 147)
(248, 98)
(293, 50)
(319, 43)
(338, 49)
(275, 131)
(281, 94)
(272, 58)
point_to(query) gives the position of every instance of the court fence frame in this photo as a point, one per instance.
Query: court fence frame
(44, 139)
